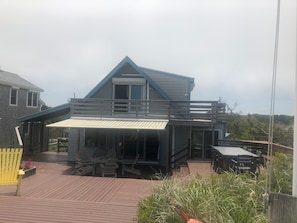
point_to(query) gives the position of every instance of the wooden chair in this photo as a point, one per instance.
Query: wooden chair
(10, 172)
(129, 166)
(109, 167)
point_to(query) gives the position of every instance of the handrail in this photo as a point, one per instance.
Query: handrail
(207, 111)
(174, 158)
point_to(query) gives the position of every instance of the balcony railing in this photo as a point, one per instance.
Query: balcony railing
(212, 111)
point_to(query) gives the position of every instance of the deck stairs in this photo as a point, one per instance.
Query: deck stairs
(182, 171)
(193, 167)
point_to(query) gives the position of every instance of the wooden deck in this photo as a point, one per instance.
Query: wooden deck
(50, 196)
(53, 195)
(201, 167)
(64, 198)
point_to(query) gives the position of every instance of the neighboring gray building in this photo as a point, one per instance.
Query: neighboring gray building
(137, 112)
(18, 97)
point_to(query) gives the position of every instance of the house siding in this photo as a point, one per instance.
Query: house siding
(9, 114)
(105, 92)
(76, 142)
(177, 88)
(154, 95)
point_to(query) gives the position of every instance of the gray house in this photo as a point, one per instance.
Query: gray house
(139, 112)
(18, 97)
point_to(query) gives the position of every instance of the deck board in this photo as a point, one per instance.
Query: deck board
(65, 198)
(51, 196)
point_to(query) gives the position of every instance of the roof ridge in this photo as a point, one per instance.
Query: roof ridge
(167, 73)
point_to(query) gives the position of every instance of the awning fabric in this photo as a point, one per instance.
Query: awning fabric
(80, 122)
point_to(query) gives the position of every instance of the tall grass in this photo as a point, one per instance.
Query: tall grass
(227, 198)
(282, 173)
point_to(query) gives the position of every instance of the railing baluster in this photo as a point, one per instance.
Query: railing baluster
(211, 111)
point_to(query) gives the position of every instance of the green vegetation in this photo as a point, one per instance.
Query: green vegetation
(53, 147)
(220, 198)
(224, 198)
(255, 127)
(282, 173)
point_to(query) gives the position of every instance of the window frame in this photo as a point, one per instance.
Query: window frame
(124, 107)
(34, 97)
(16, 97)
(130, 82)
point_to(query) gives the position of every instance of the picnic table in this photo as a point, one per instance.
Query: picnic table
(237, 159)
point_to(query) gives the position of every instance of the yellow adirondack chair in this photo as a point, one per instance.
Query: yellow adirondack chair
(10, 173)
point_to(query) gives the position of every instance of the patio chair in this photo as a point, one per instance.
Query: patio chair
(10, 172)
(85, 162)
(109, 167)
(129, 166)
(242, 164)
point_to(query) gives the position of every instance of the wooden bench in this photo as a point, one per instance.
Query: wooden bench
(10, 172)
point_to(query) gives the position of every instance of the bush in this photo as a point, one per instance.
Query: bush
(224, 198)
(282, 173)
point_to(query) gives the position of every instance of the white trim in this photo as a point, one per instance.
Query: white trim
(17, 96)
(128, 81)
(131, 75)
(17, 131)
(37, 99)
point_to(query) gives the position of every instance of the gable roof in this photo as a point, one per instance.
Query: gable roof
(148, 74)
(14, 80)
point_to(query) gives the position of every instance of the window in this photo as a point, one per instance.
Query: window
(32, 99)
(144, 143)
(128, 89)
(13, 99)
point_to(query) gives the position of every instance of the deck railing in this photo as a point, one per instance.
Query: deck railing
(212, 111)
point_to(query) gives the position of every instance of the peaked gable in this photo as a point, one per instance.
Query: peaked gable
(156, 79)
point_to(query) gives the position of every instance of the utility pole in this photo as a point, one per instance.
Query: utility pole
(294, 186)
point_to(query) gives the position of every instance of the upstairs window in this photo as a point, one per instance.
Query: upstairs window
(32, 99)
(128, 89)
(13, 98)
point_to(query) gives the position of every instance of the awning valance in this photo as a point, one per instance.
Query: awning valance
(80, 122)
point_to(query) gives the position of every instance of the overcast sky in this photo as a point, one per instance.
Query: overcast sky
(66, 47)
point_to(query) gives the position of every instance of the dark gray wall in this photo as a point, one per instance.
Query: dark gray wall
(9, 114)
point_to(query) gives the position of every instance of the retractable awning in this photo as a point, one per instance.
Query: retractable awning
(79, 122)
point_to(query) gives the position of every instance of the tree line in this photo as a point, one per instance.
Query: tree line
(256, 127)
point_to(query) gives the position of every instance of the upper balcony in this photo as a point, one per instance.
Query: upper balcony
(203, 111)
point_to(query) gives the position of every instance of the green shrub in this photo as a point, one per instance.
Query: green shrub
(224, 198)
(282, 173)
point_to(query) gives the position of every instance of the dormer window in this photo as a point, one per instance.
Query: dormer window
(128, 89)
(32, 99)
(13, 97)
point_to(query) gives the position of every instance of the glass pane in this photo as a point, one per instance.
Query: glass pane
(29, 99)
(197, 144)
(121, 92)
(130, 144)
(13, 97)
(136, 92)
(152, 145)
(35, 99)
(208, 141)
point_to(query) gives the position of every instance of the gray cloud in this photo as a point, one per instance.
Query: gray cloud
(68, 46)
